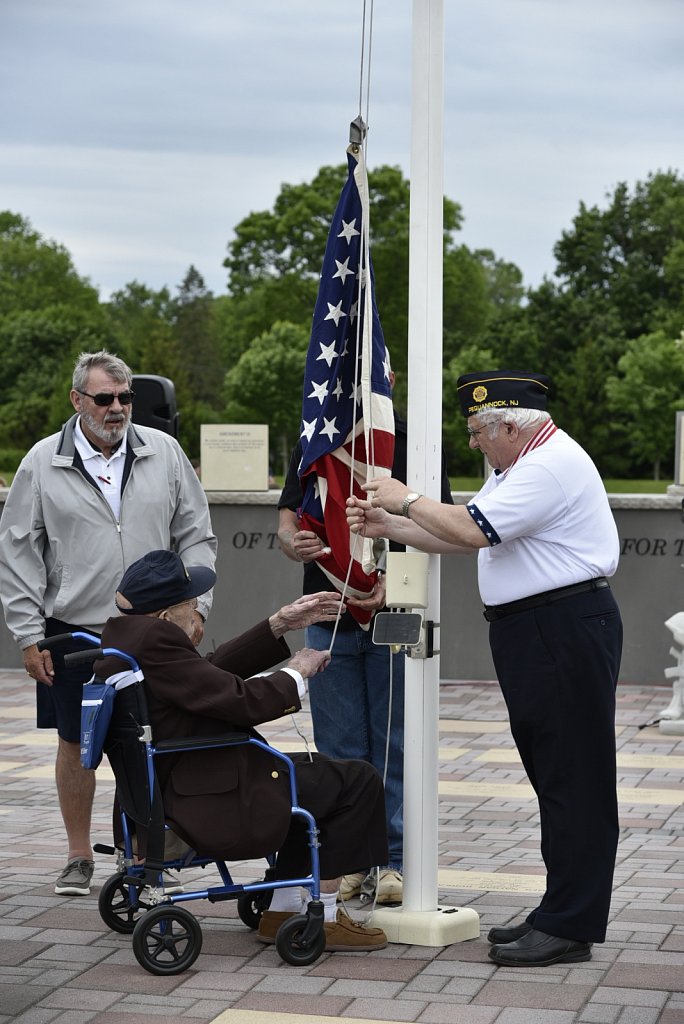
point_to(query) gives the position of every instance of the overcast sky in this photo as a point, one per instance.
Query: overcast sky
(138, 133)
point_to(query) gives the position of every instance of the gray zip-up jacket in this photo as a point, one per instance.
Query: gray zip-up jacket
(62, 552)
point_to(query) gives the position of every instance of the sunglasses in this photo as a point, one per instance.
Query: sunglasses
(106, 398)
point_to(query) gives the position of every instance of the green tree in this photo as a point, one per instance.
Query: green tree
(137, 315)
(48, 314)
(462, 460)
(36, 273)
(174, 338)
(505, 289)
(195, 330)
(38, 354)
(275, 259)
(629, 254)
(265, 385)
(619, 276)
(648, 389)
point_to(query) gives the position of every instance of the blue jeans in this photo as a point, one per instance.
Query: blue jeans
(350, 708)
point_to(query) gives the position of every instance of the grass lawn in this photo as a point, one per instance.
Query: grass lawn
(463, 483)
(472, 484)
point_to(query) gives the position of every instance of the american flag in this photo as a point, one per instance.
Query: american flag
(347, 431)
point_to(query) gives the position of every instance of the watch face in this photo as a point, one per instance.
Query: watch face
(408, 501)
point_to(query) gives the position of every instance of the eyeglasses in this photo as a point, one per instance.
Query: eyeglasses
(107, 398)
(474, 433)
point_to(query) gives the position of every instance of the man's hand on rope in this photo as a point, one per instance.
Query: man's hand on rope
(364, 519)
(387, 493)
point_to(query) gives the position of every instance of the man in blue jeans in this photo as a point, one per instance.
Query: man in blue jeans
(357, 702)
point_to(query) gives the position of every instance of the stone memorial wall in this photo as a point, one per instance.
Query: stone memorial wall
(254, 578)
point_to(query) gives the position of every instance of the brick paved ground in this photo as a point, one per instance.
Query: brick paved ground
(60, 963)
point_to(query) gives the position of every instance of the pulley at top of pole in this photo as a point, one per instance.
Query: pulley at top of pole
(357, 132)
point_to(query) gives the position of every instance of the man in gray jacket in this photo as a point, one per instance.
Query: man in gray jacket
(84, 504)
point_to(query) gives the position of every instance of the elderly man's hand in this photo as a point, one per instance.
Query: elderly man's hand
(361, 518)
(308, 662)
(387, 493)
(321, 607)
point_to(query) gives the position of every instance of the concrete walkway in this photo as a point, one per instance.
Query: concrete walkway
(60, 963)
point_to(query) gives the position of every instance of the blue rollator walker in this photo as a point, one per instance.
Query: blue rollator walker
(167, 938)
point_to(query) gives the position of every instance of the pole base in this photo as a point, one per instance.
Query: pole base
(673, 727)
(440, 927)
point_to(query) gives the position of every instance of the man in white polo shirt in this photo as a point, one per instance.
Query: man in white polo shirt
(546, 541)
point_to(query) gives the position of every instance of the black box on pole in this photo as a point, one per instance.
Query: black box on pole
(154, 404)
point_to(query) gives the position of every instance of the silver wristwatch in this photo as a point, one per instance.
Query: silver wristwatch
(408, 501)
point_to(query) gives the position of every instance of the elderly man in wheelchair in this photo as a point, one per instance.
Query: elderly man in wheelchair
(234, 802)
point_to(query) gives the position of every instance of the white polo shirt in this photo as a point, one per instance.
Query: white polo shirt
(548, 521)
(107, 473)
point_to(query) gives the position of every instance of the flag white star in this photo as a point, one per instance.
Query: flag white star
(338, 389)
(327, 352)
(335, 312)
(329, 429)
(343, 270)
(354, 311)
(320, 391)
(348, 230)
(308, 430)
(386, 365)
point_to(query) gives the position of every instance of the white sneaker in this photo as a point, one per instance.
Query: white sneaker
(390, 886)
(350, 885)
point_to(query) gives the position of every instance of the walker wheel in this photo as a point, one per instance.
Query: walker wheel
(289, 945)
(167, 940)
(116, 909)
(251, 906)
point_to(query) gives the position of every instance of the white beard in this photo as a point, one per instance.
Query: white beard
(110, 435)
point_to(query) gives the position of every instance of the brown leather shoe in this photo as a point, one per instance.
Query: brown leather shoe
(270, 922)
(348, 936)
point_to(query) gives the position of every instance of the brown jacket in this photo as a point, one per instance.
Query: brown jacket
(232, 802)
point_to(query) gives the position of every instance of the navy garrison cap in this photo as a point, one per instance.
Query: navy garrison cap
(501, 389)
(159, 580)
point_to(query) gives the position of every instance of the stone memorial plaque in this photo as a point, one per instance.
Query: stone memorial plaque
(234, 456)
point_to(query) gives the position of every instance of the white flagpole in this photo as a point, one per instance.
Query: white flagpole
(420, 920)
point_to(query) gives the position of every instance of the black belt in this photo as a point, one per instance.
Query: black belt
(500, 611)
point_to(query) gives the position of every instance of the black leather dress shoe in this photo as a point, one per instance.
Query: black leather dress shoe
(510, 934)
(537, 949)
